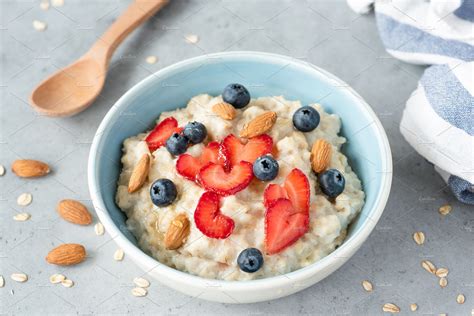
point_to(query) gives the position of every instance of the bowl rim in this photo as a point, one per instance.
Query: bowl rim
(346, 250)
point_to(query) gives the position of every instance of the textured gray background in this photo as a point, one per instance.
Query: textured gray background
(325, 33)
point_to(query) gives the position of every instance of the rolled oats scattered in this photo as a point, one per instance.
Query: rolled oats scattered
(118, 255)
(460, 299)
(443, 282)
(57, 3)
(445, 209)
(391, 308)
(141, 282)
(428, 266)
(413, 307)
(367, 286)
(151, 59)
(39, 26)
(22, 217)
(67, 283)
(442, 272)
(99, 229)
(24, 199)
(2, 281)
(57, 278)
(139, 292)
(19, 277)
(2, 170)
(419, 238)
(192, 38)
(44, 5)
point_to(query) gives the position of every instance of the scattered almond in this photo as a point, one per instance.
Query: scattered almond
(428, 266)
(413, 307)
(2, 170)
(141, 282)
(391, 308)
(460, 299)
(191, 38)
(442, 272)
(151, 59)
(445, 209)
(139, 292)
(139, 174)
(28, 168)
(320, 155)
(67, 283)
(99, 229)
(66, 254)
(177, 232)
(443, 282)
(419, 238)
(74, 211)
(24, 199)
(19, 277)
(22, 217)
(2, 281)
(56, 278)
(225, 110)
(118, 255)
(367, 286)
(259, 125)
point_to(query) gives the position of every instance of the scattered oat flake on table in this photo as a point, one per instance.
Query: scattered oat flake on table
(428, 266)
(151, 59)
(57, 3)
(443, 282)
(367, 286)
(118, 255)
(19, 277)
(67, 283)
(99, 229)
(460, 299)
(139, 292)
(445, 209)
(192, 38)
(24, 199)
(57, 278)
(413, 307)
(2, 281)
(442, 272)
(391, 308)
(419, 238)
(44, 5)
(141, 282)
(22, 217)
(39, 26)
(2, 170)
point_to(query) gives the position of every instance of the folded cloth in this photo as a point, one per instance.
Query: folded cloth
(438, 120)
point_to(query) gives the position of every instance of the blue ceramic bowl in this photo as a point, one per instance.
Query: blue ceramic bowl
(265, 75)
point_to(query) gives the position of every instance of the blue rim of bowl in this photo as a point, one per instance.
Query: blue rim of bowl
(344, 251)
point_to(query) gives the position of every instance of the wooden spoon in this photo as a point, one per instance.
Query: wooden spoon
(72, 89)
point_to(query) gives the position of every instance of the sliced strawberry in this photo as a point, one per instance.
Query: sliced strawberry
(284, 225)
(209, 219)
(162, 131)
(189, 166)
(215, 178)
(295, 188)
(254, 148)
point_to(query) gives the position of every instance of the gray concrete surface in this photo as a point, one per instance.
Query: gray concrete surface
(326, 33)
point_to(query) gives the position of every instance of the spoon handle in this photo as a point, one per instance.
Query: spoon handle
(136, 13)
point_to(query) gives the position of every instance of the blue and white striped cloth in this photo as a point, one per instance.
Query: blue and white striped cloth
(438, 120)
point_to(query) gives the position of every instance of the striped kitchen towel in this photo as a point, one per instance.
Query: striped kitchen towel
(438, 120)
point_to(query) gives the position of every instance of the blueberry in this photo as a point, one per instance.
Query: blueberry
(163, 192)
(306, 119)
(177, 144)
(237, 95)
(250, 260)
(265, 168)
(196, 132)
(332, 182)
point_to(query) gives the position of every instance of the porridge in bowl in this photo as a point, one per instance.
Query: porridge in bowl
(235, 188)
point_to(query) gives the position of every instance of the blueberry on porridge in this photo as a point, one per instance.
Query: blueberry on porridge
(235, 188)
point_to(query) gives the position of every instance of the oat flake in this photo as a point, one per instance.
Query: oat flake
(419, 238)
(39, 26)
(99, 229)
(139, 292)
(192, 38)
(118, 255)
(141, 282)
(2, 281)
(445, 209)
(57, 3)
(22, 217)
(460, 299)
(2, 170)
(413, 307)
(442, 272)
(24, 199)
(428, 266)
(67, 283)
(443, 282)
(19, 277)
(391, 308)
(44, 5)
(151, 59)
(57, 278)
(367, 286)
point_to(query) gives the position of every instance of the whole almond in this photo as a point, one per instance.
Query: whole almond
(177, 232)
(67, 254)
(259, 125)
(28, 168)
(74, 211)
(224, 110)
(320, 155)
(139, 174)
